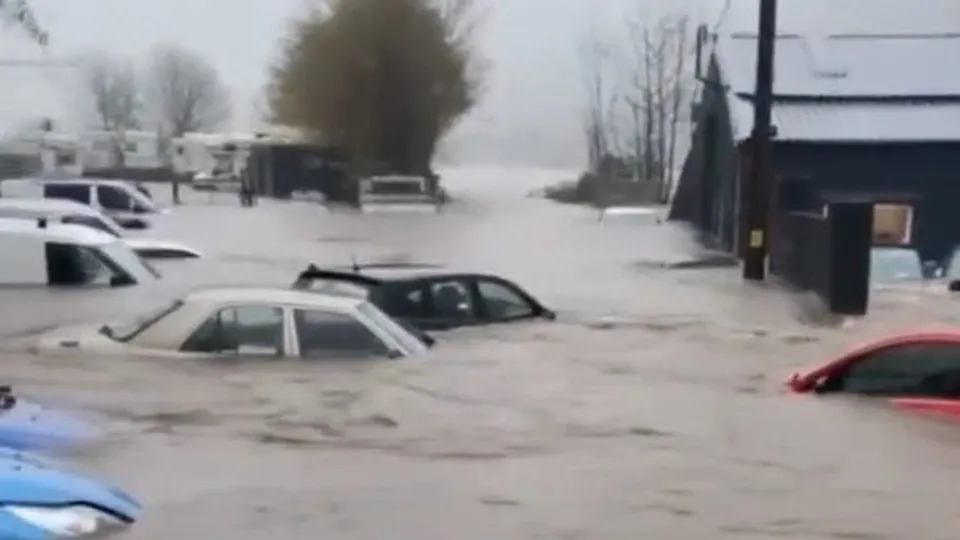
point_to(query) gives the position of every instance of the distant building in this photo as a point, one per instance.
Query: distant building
(864, 116)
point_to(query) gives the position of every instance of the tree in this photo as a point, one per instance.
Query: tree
(20, 12)
(112, 87)
(657, 97)
(185, 91)
(384, 79)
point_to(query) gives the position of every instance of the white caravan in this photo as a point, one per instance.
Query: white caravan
(69, 212)
(40, 253)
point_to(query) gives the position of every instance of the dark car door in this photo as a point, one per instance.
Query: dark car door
(917, 370)
(499, 301)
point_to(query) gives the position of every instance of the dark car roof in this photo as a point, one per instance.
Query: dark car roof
(387, 272)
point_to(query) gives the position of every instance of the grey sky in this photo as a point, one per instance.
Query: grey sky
(533, 105)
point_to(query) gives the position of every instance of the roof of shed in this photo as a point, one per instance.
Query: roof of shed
(906, 71)
(874, 65)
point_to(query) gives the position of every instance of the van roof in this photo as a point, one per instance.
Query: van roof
(55, 232)
(49, 206)
(71, 180)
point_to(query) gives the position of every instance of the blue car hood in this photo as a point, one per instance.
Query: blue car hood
(29, 426)
(29, 480)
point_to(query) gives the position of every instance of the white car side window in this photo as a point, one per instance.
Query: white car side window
(247, 330)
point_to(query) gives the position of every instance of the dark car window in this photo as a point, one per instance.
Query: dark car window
(78, 192)
(404, 301)
(90, 221)
(451, 301)
(502, 302)
(253, 330)
(927, 370)
(114, 198)
(324, 334)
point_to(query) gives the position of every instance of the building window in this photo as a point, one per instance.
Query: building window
(131, 147)
(892, 223)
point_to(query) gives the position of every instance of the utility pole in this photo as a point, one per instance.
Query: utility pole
(760, 168)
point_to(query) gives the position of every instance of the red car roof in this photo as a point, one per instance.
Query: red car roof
(804, 381)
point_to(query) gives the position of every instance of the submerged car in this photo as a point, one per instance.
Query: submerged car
(29, 426)
(41, 501)
(916, 370)
(429, 297)
(74, 213)
(631, 215)
(274, 322)
(895, 264)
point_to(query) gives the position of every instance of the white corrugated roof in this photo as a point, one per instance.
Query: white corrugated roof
(855, 122)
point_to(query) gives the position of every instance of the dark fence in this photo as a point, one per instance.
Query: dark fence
(826, 253)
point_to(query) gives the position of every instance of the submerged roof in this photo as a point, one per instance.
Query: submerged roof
(850, 87)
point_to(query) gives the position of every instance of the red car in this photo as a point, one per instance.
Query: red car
(918, 371)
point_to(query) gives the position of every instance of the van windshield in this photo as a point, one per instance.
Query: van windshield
(131, 263)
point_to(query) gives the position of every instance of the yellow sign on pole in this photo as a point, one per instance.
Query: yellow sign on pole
(756, 239)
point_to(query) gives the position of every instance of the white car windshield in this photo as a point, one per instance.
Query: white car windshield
(124, 331)
(131, 263)
(407, 340)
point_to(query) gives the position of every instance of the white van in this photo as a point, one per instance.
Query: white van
(116, 198)
(39, 253)
(396, 192)
(69, 212)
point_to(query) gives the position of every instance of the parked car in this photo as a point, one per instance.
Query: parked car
(43, 254)
(43, 501)
(631, 215)
(913, 370)
(895, 264)
(74, 213)
(25, 425)
(429, 297)
(248, 322)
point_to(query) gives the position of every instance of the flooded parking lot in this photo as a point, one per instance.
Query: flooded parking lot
(652, 407)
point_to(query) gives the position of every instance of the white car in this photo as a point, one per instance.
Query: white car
(259, 322)
(74, 213)
(631, 215)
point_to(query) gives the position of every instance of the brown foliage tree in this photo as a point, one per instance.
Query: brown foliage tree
(385, 79)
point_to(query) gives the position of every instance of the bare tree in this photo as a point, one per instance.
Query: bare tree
(185, 91)
(595, 57)
(656, 97)
(112, 87)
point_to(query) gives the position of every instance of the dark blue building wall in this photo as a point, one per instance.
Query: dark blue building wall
(707, 190)
(929, 171)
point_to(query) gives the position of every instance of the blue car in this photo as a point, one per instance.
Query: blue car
(29, 426)
(39, 501)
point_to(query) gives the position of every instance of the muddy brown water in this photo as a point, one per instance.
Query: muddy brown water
(652, 408)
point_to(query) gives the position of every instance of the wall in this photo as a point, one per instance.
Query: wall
(928, 170)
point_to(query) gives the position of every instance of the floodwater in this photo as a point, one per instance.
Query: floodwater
(652, 408)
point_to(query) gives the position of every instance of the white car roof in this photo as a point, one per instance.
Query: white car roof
(50, 206)
(274, 294)
(631, 210)
(56, 232)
